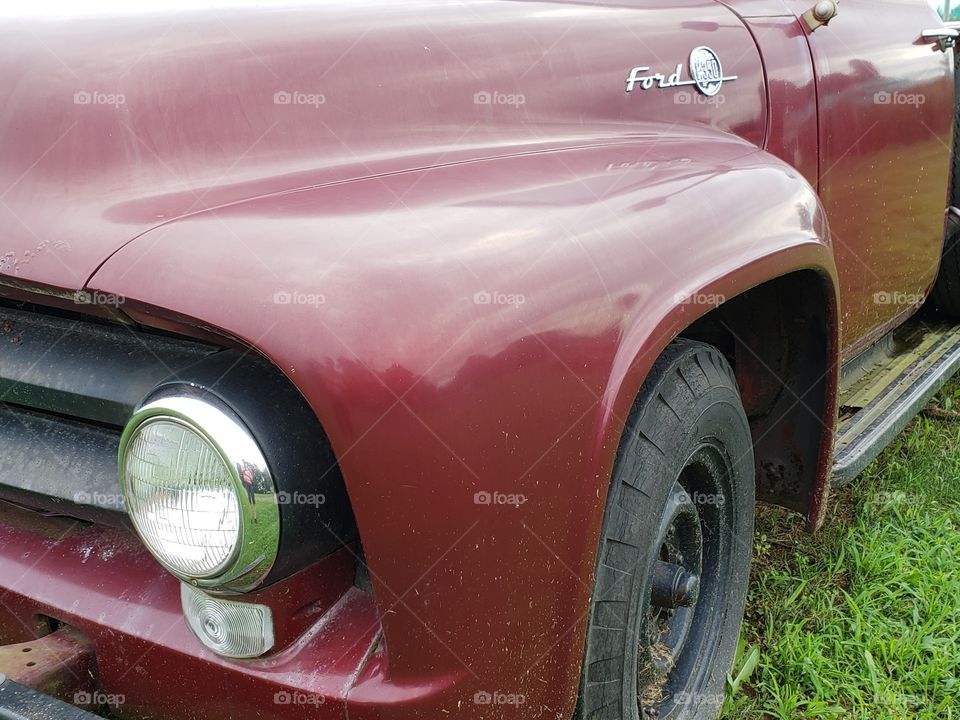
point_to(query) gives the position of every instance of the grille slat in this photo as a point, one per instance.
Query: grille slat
(84, 369)
(58, 465)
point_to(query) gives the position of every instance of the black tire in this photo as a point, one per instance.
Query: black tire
(687, 439)
(945, 296)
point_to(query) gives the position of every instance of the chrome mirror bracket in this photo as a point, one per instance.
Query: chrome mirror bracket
(821, 14)
(945, 38)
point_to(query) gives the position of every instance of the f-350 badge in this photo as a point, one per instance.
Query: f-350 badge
(705, 70)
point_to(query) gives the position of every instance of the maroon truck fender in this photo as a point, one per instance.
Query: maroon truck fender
(472, 337)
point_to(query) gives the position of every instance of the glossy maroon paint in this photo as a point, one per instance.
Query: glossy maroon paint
(484, 286)
(886, 119)
(791, 91)
(199, 128)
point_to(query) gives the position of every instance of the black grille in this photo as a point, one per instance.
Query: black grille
(67, 387)
(84, 369)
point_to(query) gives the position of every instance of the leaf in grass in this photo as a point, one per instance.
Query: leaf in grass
(750, 663)
(872, 668)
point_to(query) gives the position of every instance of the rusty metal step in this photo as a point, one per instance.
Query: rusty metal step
(885, 387)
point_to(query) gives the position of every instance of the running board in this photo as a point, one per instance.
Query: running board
(885, 387)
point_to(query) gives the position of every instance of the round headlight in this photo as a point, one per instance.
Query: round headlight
(181, 497)
(199, 493)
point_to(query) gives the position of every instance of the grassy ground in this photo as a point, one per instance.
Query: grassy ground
(863, 619)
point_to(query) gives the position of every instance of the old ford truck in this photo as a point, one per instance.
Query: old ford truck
(418, 360)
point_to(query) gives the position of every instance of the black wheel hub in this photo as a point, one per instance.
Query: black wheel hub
(683, 581)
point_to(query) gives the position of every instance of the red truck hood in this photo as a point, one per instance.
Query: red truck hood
(117, 120)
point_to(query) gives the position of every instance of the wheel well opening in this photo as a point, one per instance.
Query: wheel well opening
(776, 338)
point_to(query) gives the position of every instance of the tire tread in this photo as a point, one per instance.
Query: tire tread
(682, 376)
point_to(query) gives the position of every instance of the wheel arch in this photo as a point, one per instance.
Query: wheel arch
(776, 320)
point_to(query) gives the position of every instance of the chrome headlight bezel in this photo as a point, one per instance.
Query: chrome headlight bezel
(259, 540)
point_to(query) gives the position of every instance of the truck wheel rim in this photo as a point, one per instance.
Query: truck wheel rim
(684, 601)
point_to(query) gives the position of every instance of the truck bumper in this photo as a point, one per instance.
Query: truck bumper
(103, 584)
(22, 703)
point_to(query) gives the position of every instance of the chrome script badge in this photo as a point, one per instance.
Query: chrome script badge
(706, 74)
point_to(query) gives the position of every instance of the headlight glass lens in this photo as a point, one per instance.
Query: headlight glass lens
(182, 498)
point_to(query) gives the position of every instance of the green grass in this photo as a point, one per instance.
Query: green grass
(862, 620)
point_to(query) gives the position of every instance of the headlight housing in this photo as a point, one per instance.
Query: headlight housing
(199, 491)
